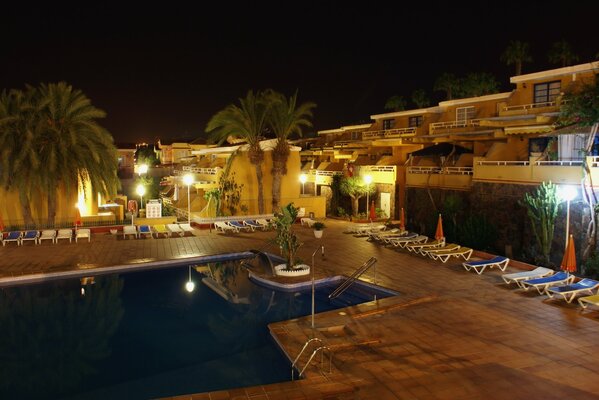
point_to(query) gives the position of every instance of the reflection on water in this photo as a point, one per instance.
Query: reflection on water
(51, 336)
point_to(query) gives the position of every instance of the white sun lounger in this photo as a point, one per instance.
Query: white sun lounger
(569, 292)
(64, 234)
(443, 256)
(187, 228)
(129, 230)
(82, 234)
(518, 277)
(406, 241)
(307, 221)
(480, 266)
(418, 247)
(175, 228)
(224, 227)
(48, 234)
(429, 251)
(265, 224)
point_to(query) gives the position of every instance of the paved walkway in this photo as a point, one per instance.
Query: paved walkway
(449, 335)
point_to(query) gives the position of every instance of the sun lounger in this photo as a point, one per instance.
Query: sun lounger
(64, 234)
(378, 235)
(370, 229)
(13, 236)
(83, 234)
(239, 226)
(569, 292)
(253, 225)
(429, 251)
(175, 228)
(48, 234)
(161, 229)
(355, 228)
(144, 230)
(519, 277)
(307, 221)
(418, 247)
(404, 235)
(30, 235)
(129, 230)
(542, 284)
(187, 228)
(264, 223)
(443, 256)
(409, 240)
(589, 300)
(480, 266)
(224, 227)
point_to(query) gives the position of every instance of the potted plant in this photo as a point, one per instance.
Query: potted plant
(288, 242)
(318, 227)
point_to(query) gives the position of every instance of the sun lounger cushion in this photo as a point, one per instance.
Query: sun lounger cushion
(129, 230)
(541, 284)
(518, 277)
(83, 234)
(13, 236)
(443, 256)
(569, 292)
(64, 234)
(479, 266)
(175, 228)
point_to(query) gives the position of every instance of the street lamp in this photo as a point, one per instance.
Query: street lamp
(142, 169)
(367, 181)
(188, 180)
(141, 190)
(567, 193)
(303, 179)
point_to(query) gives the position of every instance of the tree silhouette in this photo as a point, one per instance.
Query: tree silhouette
(562, 53)
(396, 103)
(420, 98)
(517, 53)
(448, 83)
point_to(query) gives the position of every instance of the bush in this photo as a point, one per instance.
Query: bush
(476, 232)
(591, 266)
(318, 226)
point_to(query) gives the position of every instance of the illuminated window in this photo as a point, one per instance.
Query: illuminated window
(414, 122)
(546, 92)
(388, 124)
(465, 113)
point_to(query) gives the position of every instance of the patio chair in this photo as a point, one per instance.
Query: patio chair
(589, 300)
(307, 221)
(161, 229)
(443, 256)
(264, 223)
(429, 251)
(144, 230)
(64, 234)
(254, 225)
(480, 266)
(239, 226)
(224, 227)
(379, 236)
(13, 236)
(175, 228)
(129, 230)
(402, 242)
(569, 292)
(30, 235)
(187, 228)
(542, 284)
(405, 235)
(418, 247)
(518, 277)
(47, 234)
(83, 234)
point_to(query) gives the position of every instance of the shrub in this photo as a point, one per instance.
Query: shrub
(477, 232)
(318, 226)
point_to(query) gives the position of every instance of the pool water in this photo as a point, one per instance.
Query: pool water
(141, 335)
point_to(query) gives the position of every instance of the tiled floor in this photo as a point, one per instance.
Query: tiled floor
(449, 335)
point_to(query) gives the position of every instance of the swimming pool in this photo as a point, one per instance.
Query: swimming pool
(141, 335)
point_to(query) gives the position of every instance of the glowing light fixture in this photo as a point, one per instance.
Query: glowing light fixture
(142, 169)
(141, 190)
(190, 286)
(303, 179)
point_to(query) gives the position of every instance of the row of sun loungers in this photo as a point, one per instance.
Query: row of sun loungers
(149, 231)
(244, 225)
(52, 235)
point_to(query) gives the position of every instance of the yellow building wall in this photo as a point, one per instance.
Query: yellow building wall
(524, 93)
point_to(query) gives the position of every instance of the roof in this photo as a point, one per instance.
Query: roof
(406, 113)
(554, 73)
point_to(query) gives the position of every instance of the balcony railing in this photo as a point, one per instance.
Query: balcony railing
(389, 133)
(454, 124)
(197, 170)
(344, 143)
(439, 170)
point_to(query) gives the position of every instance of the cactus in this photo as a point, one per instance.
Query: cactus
(542, 209)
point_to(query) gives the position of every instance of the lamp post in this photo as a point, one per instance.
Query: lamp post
(141, 190)
(303, 179)
(188, 180)
(368, 181)
(567, 193)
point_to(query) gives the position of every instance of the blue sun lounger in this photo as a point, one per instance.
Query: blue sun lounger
(30, 235)
(239, 225)
(569, 292)
(254, 225)
(542, 284)
(480, 266)
(13, 236)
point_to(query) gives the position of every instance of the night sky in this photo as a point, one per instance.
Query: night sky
(163, 71)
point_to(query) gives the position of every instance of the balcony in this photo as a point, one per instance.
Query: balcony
(204, 178)
(531, 108)
(322, 177)
(380, 173)
(456, 178)
(389, 133)
(436, 127)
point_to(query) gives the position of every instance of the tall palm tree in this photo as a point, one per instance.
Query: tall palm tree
(517, 53)
(448, 83)
(72, 147)
(285, 118)
(396, 103)
(18, 159)
(479, 84)
(246, 121)
(420, 98)
(561, 53)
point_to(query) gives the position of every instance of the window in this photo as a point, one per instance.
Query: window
(415, 121)
(465, 113)
(355, 136)
(388, 124)
(546, 92)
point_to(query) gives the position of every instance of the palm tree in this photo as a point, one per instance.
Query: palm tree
(517, 53)
(355, 188)
(479, 84)
(18, 159)
(73, 148)
(420, 98)
(561, 53)
(448, 83)
(396, 103)
(246, 121)
(285, 118)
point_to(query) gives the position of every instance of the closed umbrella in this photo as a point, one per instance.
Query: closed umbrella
(1, 224)
(569, 260)
(402, 220)
(372, 211)
(439, 232)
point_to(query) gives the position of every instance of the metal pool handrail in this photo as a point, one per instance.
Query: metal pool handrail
(349, 281)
